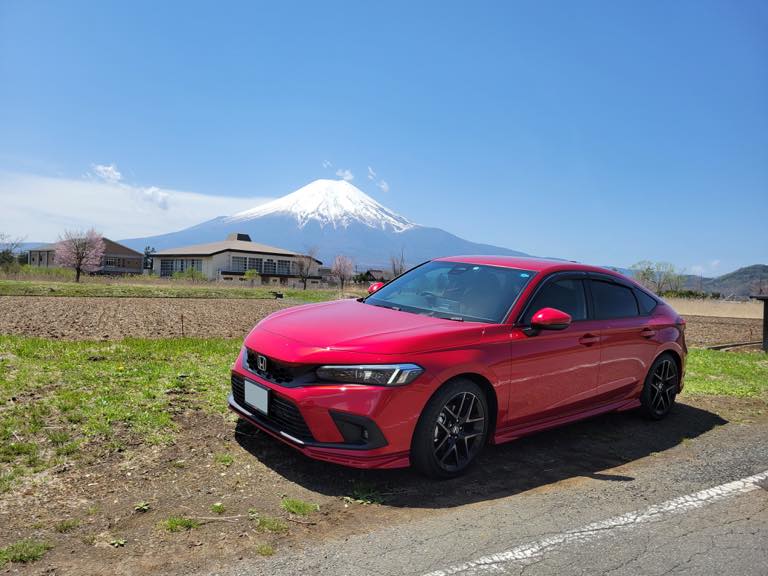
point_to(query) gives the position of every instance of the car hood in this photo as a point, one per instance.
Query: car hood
(358, 327)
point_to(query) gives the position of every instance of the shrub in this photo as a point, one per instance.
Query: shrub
(695, 294)
(189, 274)
(253, 277)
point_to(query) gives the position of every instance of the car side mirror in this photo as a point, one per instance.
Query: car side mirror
(375, 286)
(550, 319)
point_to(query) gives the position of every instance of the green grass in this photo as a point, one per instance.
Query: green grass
(719, 373)
(298, 507)
(64, 400)
(364, 493)
(265, 550)
(28, 272)
(166, 290)
(218, 508)
(23, 551)
(179, 524)
(66, 525)
(224, 459)
(267, 523)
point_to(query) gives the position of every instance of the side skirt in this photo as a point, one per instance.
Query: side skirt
(517, 431)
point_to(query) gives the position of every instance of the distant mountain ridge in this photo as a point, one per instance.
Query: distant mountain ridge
(740, 283)
(337, 218)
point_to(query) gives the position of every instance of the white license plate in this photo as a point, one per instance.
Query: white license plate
(256, 396)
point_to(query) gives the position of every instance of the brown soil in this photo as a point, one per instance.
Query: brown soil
(703, 331)
(186, 479)
(115, 318)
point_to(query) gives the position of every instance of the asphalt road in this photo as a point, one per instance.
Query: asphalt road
(700, 507)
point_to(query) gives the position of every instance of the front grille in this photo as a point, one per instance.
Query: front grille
(278, 372)
(238, 389)
(287, 418)
(284, 415)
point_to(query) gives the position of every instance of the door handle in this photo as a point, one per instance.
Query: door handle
(647, 332)
(589, 339)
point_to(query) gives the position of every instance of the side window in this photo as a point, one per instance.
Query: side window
(647, 303)
(565, 295)
(613, 300)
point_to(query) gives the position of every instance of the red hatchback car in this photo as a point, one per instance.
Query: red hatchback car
(456, 353)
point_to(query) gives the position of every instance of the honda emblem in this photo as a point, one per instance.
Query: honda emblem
(261, 363)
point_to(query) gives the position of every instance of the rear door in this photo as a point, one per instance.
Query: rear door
(555, 372)
(628, 340)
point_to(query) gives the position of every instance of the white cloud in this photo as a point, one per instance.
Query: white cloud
(371, 173)
(709, 269)
(383, 185)
(111, 175)
(327, 164)
(39, 208)
(154, 195)
(107, 172)
(346, 174)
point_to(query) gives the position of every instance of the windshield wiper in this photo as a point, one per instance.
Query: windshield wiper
(384, 306)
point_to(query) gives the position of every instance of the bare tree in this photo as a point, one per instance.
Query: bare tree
(677, 279)
(343, 268)
(305, 264)
(398, 263)
(664, 276)
(8, 248)
(82, 251)
(658, 276)
(644, 273)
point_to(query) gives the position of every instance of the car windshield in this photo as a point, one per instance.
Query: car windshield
(454, 290)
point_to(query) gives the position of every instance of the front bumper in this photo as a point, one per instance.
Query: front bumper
(311, 420)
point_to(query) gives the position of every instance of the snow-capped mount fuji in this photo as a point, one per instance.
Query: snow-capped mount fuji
(335, 203)
(336, 217)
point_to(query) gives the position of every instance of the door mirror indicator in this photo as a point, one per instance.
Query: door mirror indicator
(375, 286)
(550, 319)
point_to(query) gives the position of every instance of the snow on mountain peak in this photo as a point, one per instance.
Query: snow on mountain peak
(330, 202)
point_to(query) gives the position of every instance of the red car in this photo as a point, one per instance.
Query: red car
(456, 353)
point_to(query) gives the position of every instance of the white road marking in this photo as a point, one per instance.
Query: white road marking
(524, 553)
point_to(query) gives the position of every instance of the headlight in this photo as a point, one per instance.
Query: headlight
(375, 374)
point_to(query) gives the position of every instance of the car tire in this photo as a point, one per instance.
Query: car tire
(660, 388)
(451, 431)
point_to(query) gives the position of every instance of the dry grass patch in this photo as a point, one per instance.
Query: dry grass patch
(717, 308)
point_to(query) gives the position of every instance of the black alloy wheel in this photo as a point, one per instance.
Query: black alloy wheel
(452, 430)
(661, 387)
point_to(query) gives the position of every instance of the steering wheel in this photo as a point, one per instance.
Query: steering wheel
(431, 296)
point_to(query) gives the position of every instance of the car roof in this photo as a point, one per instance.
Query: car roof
(545, 265)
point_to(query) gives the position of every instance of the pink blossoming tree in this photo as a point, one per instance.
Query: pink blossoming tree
(82, 251)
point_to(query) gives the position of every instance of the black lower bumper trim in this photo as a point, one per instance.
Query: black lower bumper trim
(261, 421)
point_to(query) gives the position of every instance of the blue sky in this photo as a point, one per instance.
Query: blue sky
(606, 132)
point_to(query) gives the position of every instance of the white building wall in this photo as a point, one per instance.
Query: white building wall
(219, 262)
(213, 265)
